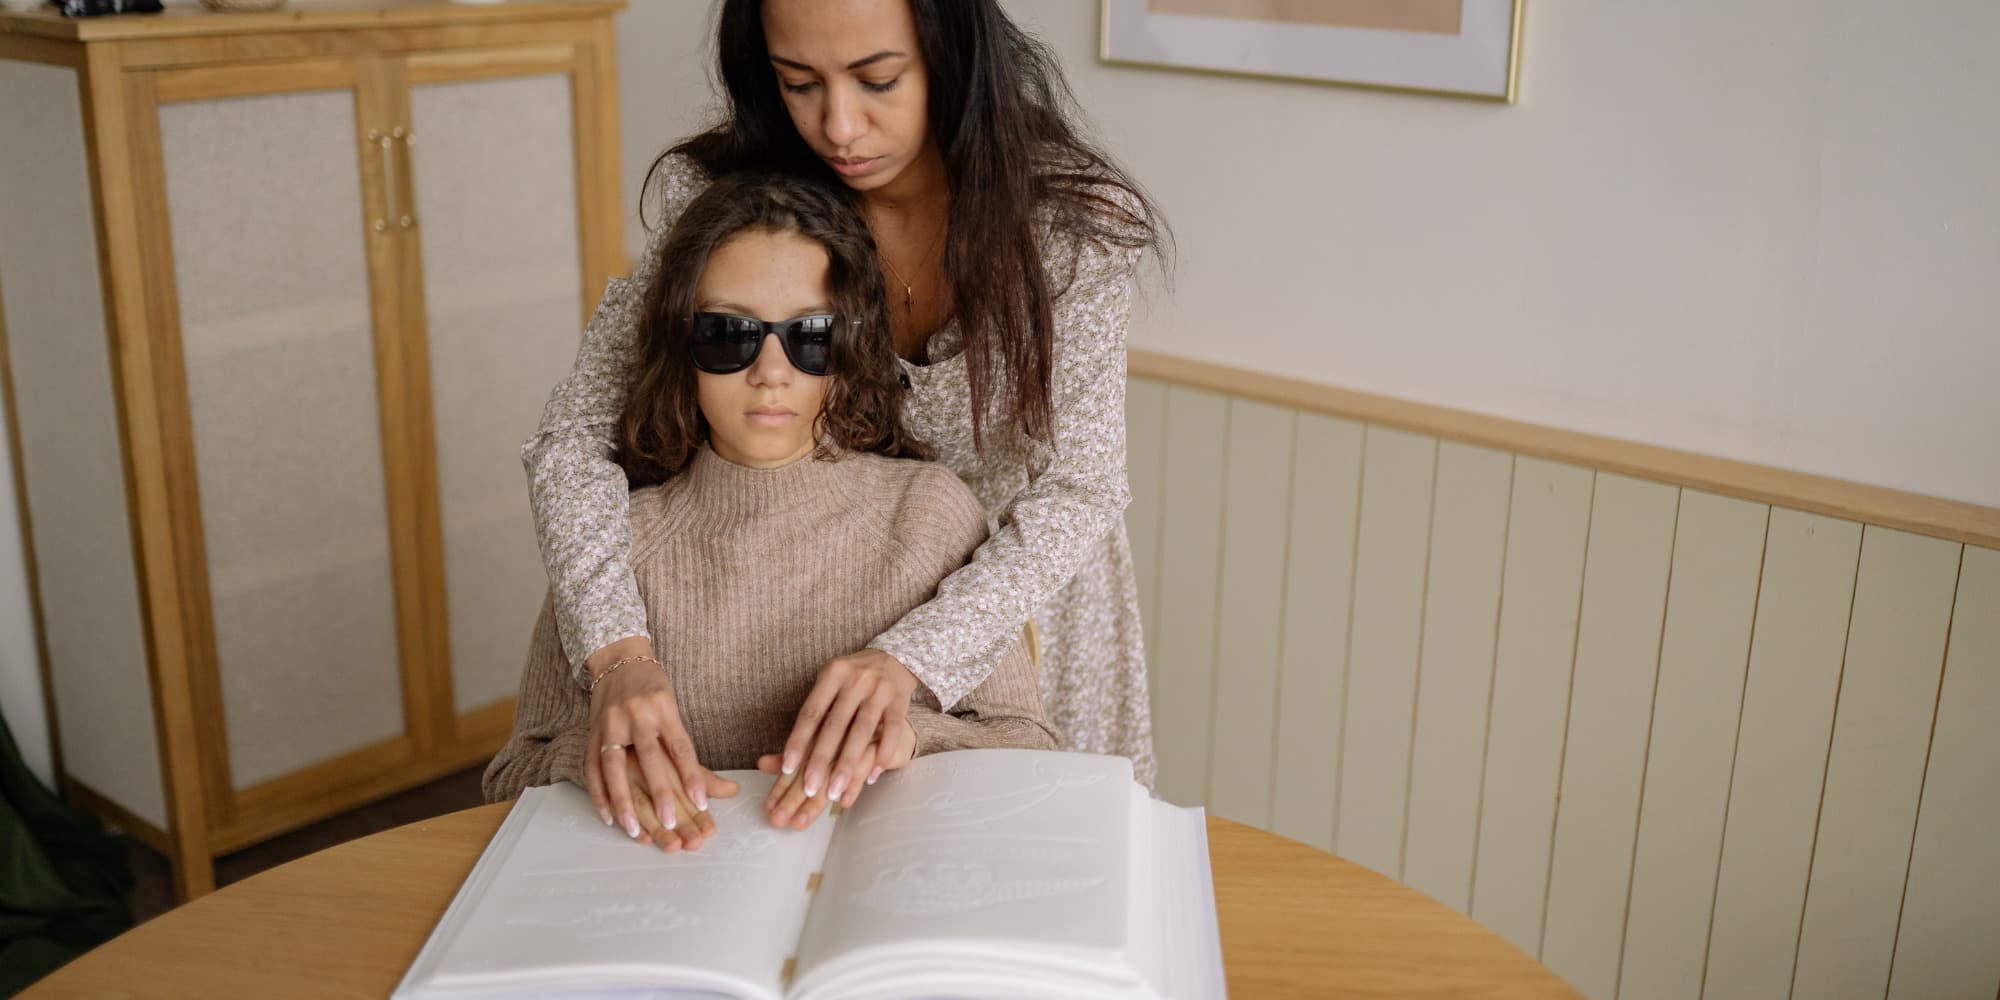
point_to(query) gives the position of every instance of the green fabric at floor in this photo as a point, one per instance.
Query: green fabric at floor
(63, 877)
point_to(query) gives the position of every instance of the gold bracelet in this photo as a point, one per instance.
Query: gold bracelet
(620, 663)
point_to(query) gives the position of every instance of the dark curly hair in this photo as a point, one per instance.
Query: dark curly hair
(662, 426)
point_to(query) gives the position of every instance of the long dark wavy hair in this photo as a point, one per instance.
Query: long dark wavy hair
(1015, 158)
(662, 426)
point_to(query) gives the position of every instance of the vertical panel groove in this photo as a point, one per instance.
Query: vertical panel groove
(1326, 467)
(1569, 695)
(1894, 648)
(1347, 654)
(1215, 612)
(1703, 658)
(1550, 518)
(1492, 683)
(1284, 575)
(1813, 852)
(1729, 791)
(1248, 601)
(1417, 678)
(1390, 555)
(1951, 896)
(1781, 757)
(1903, 899)
(1610, 702)
(1646, 755)
(1183, 667)
(1455, 685)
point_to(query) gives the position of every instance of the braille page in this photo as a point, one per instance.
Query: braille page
(560, 901)
(980, 856)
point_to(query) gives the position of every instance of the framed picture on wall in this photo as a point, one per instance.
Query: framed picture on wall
(1458, 48)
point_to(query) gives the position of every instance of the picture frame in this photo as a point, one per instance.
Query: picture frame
(1454, 48)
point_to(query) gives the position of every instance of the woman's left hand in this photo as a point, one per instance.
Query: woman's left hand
(857, 699)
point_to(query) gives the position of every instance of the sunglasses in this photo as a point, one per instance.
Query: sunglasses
(724, 343)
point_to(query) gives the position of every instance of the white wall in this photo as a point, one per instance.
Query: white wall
(1762, 231)
(20, 667)
(21, 701)
(664, 61)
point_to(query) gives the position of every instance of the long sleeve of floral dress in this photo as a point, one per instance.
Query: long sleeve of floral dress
(1055, 501)
(1066, 493)
(579, 494)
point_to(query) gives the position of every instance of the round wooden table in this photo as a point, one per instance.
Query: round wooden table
(348, 921)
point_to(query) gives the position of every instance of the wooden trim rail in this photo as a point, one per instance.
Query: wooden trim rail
(1952, 520)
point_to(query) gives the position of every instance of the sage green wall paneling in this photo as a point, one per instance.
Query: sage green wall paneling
(1946, 947)
(1319, 578)
(1625, 583)
(1390, 560)
(1674, 744)
(1541, 587)
(1257, 497)
(1183, 665)
(1704, 653)
(1455, 676)
(1798, 639)
(1881, 734)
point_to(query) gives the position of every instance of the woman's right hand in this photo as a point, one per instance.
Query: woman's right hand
(633, 707)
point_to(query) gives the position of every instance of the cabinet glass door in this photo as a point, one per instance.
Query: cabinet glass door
(493, 161)
(271, 255)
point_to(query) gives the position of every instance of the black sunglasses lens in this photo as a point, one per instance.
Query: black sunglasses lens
(810, 344)
(724, 344)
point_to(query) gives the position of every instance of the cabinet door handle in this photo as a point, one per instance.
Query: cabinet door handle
(386, 146)
(406, 220)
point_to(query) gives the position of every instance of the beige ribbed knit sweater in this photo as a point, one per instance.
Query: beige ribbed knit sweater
(752, 579)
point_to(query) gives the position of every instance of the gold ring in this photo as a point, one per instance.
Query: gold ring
(609, 747)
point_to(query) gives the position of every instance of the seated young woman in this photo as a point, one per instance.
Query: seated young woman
(781, 516)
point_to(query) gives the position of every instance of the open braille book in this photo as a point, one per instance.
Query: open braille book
(977, 873)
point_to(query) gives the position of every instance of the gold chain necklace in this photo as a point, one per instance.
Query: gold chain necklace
(909, 290)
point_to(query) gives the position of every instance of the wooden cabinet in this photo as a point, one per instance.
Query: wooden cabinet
(283, 293)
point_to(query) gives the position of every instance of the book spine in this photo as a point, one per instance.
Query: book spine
(792, 961)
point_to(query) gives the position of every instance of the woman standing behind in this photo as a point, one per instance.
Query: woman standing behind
(1009, 246)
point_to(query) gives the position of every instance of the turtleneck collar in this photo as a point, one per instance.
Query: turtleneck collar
(719, 492)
